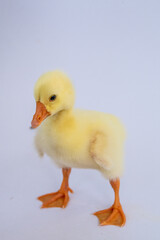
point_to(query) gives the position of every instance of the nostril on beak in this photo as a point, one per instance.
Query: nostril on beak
(38, 118)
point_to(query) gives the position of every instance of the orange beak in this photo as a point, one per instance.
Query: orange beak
(40, 114)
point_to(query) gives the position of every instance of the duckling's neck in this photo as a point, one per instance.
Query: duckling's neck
(63, 117)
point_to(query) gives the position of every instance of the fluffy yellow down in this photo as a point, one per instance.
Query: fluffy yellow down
(77, 138)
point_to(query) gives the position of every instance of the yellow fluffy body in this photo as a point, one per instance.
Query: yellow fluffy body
(77, 138)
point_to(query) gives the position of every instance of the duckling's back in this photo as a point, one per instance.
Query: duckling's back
(100, 121)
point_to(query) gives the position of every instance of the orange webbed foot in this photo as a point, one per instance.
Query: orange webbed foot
(111, 216)
(57, 199)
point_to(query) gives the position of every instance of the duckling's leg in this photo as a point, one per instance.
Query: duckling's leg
(61, 197)
(113, 215)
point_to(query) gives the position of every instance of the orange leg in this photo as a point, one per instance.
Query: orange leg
(61, 197)
(113, 215)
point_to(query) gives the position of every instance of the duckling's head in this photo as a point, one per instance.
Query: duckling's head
(53, 93)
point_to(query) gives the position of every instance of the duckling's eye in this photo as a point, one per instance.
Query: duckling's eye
(52, 98)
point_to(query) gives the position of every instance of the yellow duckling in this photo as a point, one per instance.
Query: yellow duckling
(79, 139)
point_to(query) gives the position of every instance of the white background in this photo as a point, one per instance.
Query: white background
(111, 51)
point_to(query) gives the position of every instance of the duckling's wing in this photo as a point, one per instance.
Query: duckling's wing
(99, 151)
